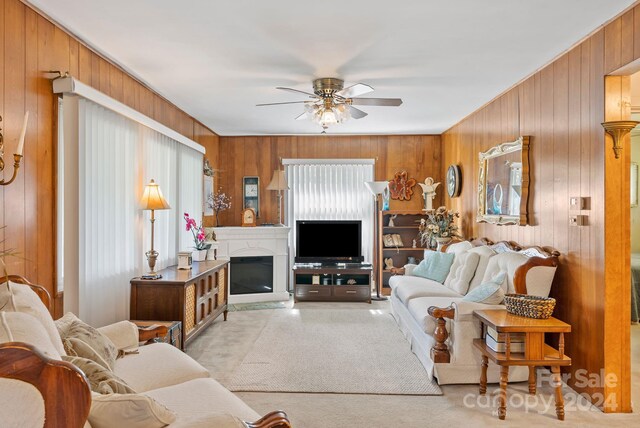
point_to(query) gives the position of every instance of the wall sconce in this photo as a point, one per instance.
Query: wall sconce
(17, 156)
(618, 129)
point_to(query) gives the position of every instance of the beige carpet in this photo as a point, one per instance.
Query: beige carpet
(222, 347)
(348, 351)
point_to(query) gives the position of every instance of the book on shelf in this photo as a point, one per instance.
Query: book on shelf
(502, 346)
(502, 337)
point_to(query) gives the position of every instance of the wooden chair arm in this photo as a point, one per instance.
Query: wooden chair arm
(151, 334)
(520, 275)
(42, 293)
(397, 271)
(64, 388)
(440, 351)
(276, 419)
(436, 312)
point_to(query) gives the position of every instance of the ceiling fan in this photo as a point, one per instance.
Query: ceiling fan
(332, 103)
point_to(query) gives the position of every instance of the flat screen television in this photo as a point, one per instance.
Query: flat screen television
(328, 241)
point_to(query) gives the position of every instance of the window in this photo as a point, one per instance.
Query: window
(330, 189)
(106, 159)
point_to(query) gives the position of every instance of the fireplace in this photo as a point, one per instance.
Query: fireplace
(249, 275)
(244, 246)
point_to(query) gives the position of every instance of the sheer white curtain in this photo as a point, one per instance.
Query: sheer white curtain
(329, 189)
(104, 246)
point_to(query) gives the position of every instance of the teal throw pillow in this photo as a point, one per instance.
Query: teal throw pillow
(435, 266)
(489, 292)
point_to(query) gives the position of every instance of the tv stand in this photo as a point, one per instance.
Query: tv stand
(335, 283)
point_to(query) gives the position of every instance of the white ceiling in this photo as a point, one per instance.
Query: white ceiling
(217, 59)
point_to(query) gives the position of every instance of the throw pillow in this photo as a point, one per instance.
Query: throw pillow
(435, 266)
(485, 254)
(490, 292)
(128, 410)
(101, 380)
(82, 340)
(21, 327)
(461, 273)
(16, 297)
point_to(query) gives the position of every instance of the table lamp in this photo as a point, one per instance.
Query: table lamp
(153, 200)
(279, 183)
(376, 188)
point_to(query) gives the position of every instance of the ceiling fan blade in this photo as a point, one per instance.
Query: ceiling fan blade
(277, 104)
(303, 116)
(388, 102)
(298, 91)
(354, 90)
(356, 113)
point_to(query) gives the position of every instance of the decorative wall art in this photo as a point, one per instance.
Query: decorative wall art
(207, 191)
(401, 186)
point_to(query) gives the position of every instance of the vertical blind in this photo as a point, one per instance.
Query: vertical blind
(116, 158)
(330, 190)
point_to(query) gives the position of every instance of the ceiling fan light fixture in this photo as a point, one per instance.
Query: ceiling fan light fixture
(332, 103)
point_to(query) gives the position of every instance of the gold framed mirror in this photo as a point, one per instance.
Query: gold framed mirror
(503, 183)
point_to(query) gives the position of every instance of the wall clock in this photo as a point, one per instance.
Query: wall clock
(248, 217)
(251, 194)
(454, 181)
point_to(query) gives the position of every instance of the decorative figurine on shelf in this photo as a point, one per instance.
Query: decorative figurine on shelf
(391, 220)
(386, 194)
(414, 244)
(388, 263)
(428, 192)
(351, 281)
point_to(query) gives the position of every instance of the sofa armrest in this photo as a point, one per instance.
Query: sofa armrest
(123, 334)
(440, 351)
(277, 419)
(405, 270)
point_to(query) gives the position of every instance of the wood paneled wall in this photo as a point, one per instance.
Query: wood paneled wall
(30, 45)
(419, 155)
(561, 108)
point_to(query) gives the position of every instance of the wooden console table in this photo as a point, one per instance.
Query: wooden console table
(194, 297)
(536, 352)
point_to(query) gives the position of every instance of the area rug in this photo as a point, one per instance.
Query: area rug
(347, 351)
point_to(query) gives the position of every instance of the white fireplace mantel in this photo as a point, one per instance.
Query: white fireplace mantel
(253, 242)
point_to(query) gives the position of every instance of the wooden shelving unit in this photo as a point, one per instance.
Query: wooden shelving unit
(406, 225)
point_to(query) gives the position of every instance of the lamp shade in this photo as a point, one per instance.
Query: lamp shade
(376, 187)
(152, 198)
(279, 181)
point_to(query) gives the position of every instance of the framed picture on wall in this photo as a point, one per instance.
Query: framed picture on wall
(251, 194)
(206, 192)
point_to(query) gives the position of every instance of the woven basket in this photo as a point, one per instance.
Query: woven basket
(530, 306)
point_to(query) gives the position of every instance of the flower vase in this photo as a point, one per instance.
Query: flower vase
(199, 255)
(441, 242)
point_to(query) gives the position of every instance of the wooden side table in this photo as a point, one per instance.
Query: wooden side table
(160, 331)
(536, 352)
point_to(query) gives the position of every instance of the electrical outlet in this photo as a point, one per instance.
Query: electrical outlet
(576, 203)
(577, 220)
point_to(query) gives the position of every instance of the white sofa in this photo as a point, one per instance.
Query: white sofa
(158, 370)
(419, 305)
